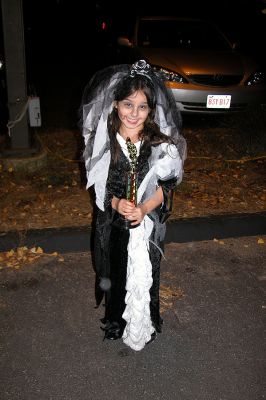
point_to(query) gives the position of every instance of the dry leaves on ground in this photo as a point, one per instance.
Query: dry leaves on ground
(21, 256)
(168, 294)
(218, 179)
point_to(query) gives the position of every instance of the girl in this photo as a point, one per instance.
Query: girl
(127, 108)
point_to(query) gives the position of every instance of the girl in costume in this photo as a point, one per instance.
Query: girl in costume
(130, 121)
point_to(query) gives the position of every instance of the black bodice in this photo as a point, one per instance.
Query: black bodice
(116, 181)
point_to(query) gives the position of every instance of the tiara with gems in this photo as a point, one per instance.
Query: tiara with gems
(140, 67)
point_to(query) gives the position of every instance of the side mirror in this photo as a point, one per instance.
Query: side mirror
(236, 46)
(124, 41)
(1, 62)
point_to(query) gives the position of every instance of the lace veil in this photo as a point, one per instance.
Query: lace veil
(97, 104)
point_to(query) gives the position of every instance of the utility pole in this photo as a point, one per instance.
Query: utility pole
(14, 49)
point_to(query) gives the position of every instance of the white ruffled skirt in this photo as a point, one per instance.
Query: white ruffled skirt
(139, 326)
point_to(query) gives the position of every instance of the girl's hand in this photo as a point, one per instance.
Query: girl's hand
(125, 207)
(131, 212)
(137, 215)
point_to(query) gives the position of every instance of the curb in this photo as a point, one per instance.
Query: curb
(218, 226)
(75, 239)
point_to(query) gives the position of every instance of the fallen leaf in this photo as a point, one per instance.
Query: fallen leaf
(10, 253)
(16, 258)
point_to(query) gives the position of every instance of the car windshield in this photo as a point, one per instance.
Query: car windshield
(180, 34)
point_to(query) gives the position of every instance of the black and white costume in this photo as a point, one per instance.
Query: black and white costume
(130, 258)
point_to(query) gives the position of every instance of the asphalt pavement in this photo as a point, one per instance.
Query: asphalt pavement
(212, 346)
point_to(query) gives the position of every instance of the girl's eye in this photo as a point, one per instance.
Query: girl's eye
(143, 107)
(128, 105)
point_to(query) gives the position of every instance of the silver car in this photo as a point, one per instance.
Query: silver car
(203, 69)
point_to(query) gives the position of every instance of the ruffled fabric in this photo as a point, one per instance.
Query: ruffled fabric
(139, 327)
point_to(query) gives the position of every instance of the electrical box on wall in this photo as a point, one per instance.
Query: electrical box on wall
(34, 111)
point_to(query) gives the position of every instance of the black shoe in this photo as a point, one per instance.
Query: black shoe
(112, 335)
(153, 337)
(113, 331)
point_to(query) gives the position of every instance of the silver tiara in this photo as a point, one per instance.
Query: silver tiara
(140, 67)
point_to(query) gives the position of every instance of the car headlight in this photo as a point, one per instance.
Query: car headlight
(170, 76)
(257, 78)
(1, 64)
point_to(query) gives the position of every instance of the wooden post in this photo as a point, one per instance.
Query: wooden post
(14, 48)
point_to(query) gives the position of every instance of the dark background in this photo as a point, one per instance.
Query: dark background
(65, 42)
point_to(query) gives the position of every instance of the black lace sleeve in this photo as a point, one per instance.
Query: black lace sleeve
(116, 181)
(168, 194)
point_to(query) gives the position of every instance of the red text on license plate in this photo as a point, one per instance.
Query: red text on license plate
(218, 101)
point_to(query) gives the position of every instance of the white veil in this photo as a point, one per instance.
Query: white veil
(97, 104)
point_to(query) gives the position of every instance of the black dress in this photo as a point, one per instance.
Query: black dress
(110, 249)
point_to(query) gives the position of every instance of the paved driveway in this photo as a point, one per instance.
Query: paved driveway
(211, 348)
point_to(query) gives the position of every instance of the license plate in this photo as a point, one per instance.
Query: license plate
(218, 101)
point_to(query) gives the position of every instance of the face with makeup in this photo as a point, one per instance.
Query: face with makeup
(132, 112)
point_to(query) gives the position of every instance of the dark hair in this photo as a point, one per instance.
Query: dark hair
(150, 134)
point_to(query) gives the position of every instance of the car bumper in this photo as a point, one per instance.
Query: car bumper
(195, 100)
